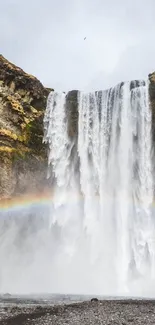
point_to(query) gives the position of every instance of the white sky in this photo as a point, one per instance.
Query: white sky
(46, 38)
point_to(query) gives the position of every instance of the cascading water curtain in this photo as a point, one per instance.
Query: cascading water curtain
(105, 217)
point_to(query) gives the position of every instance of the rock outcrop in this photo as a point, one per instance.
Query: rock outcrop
(22, 154)
(72, 112)
(152, 100)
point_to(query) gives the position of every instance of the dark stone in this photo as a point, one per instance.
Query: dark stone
(94, 300)
(72, 112)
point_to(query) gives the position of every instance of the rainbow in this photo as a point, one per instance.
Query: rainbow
(46, 198)
(33, 199)
(25, 201)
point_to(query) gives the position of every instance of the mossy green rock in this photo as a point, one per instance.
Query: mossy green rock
(23, 157)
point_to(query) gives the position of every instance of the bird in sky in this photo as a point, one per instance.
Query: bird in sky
(84, 38)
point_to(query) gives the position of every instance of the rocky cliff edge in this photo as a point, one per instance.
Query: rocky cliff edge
(23, 157)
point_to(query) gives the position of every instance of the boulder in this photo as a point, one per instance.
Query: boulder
(94, 300)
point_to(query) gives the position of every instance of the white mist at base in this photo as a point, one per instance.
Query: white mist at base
(97, 236)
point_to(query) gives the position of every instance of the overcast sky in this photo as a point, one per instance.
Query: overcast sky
(46, 38)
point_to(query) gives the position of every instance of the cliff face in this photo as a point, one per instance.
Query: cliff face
(22, 154)
(152, 100)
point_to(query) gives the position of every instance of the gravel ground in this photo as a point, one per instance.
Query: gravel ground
(111, 312)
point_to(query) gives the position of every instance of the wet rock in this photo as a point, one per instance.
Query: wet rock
(152, 100)
(72, 112)
(94, 300)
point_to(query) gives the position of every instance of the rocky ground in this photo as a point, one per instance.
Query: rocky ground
(110, 312)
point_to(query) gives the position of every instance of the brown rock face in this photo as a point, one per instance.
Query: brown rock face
(22, 154)
(152, 100)
(72, 112)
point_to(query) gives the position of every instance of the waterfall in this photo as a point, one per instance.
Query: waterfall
(103, 191)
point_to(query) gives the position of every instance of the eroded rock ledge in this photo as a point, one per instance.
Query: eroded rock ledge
(22, 154)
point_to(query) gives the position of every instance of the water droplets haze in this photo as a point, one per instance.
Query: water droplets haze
(97, 234)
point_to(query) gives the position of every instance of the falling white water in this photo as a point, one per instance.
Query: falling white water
(97, 235)
(109, 228)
